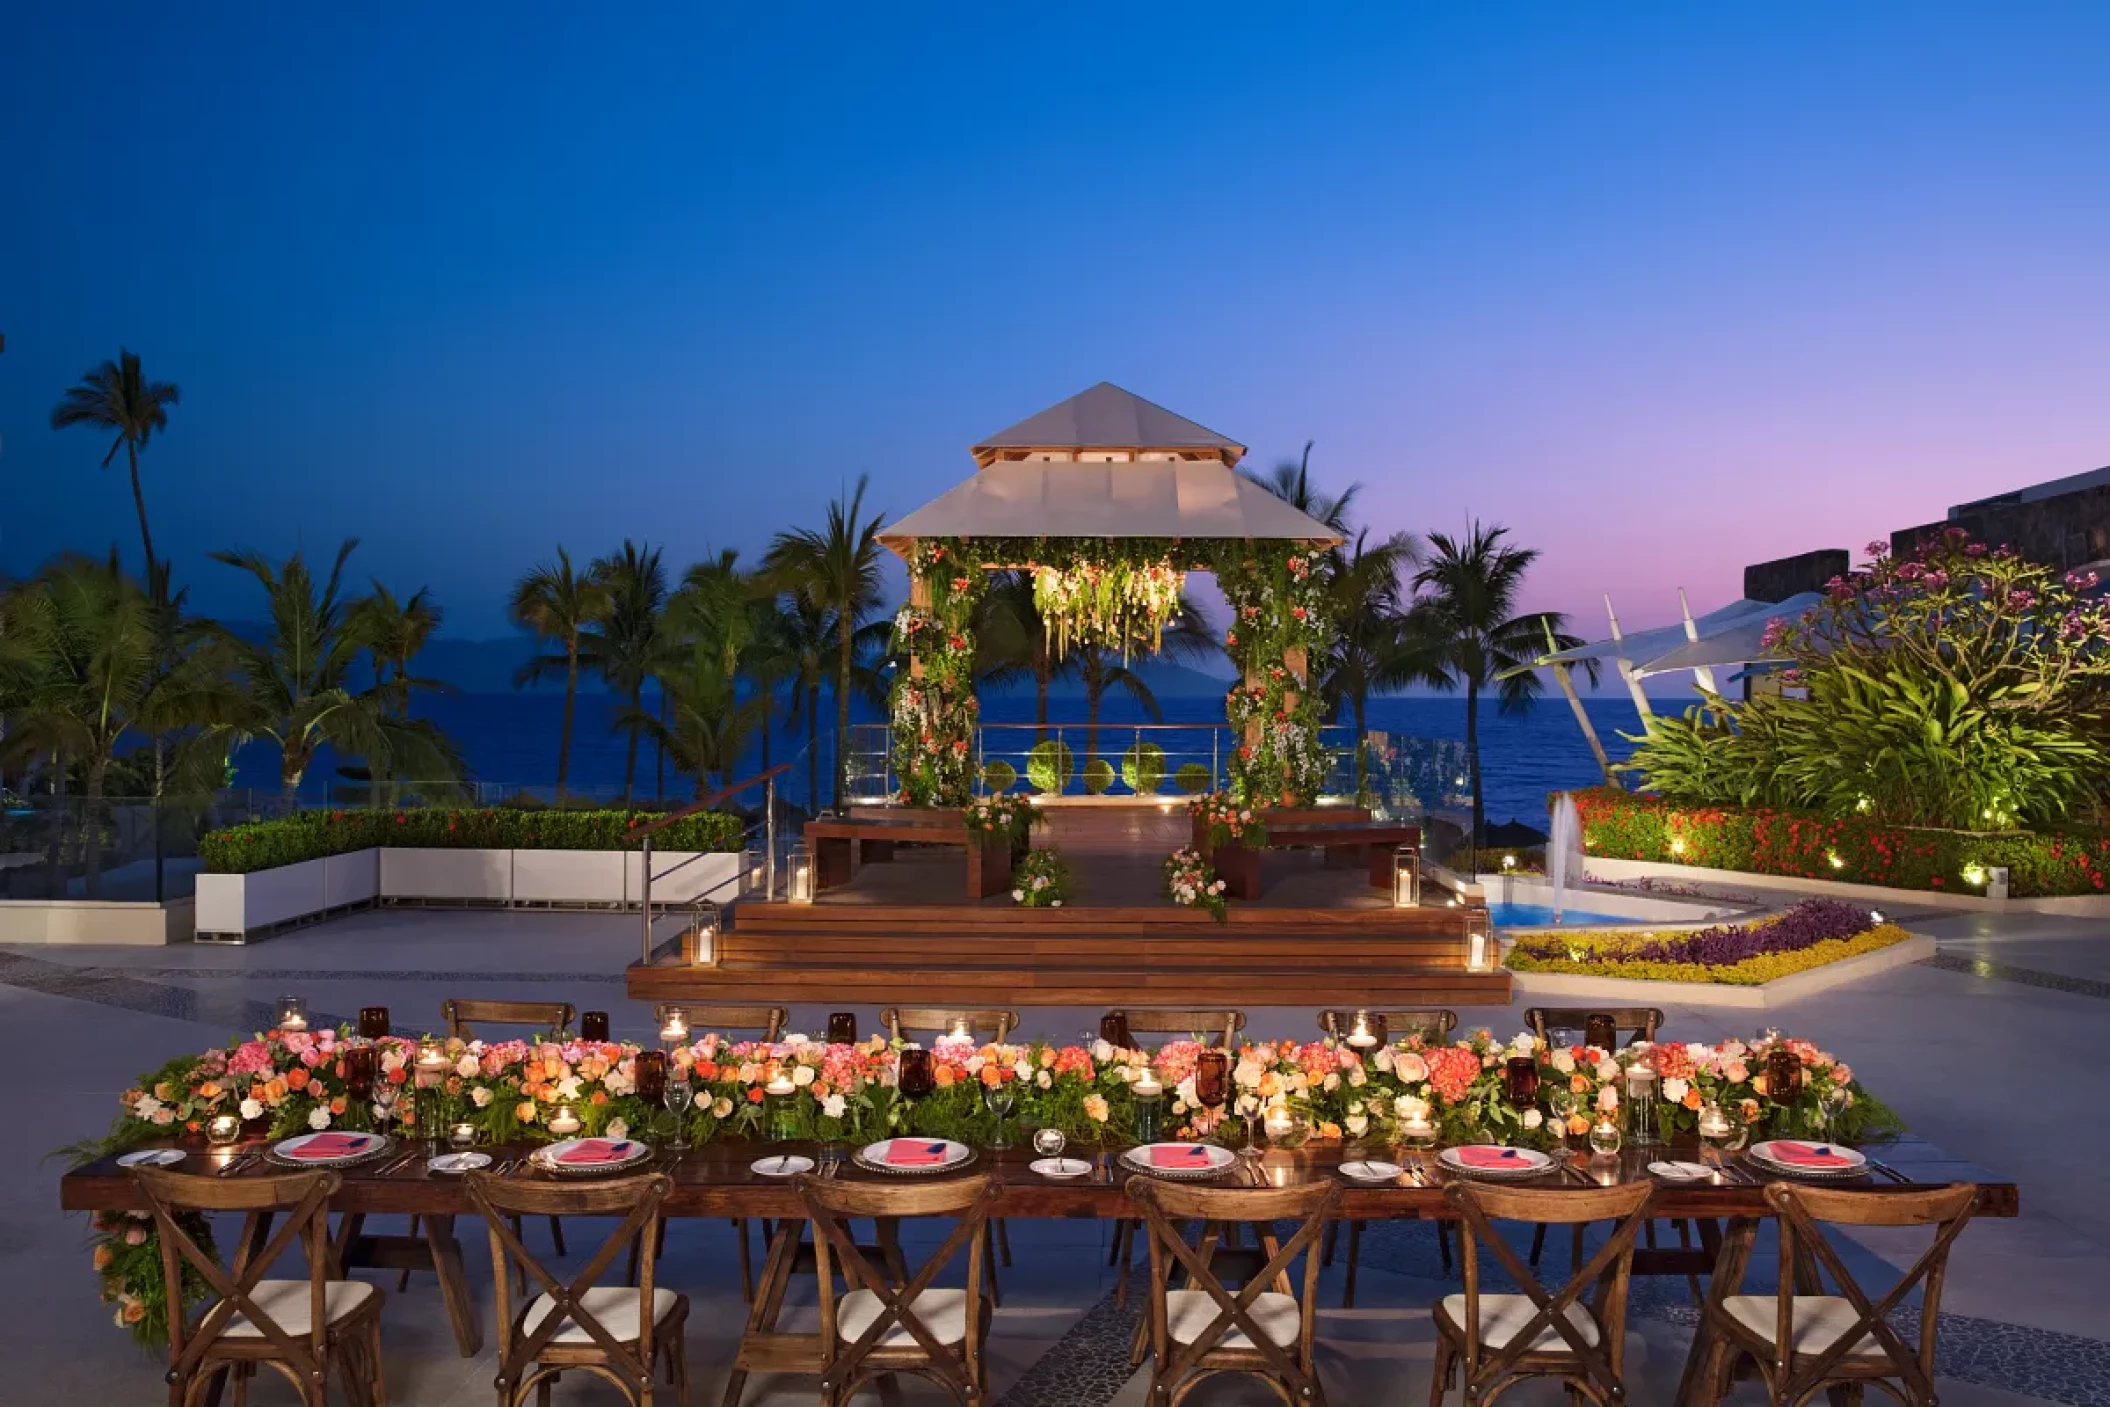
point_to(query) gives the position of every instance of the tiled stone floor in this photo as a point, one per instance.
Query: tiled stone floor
(1989, 1051)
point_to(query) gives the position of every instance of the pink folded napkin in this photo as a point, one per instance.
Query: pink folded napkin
(332, 1145)
(1479, 1157)
(914, 1153)
(1802, 1155)
(1180, 1155)
(596, 1150)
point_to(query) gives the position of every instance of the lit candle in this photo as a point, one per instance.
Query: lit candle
(564, 1122)
(1361, 1037)
(677, 1028)
(292, 1014)
(1147, 1085)
(780, 1082)
(960, 1032)
(462, 1135)
(222, 1129)
(1279, 1122)
(433, 1063)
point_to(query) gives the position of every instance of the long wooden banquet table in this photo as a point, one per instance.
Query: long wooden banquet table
(718, 1180)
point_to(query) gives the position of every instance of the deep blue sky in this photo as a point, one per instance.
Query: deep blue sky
(1667, 288)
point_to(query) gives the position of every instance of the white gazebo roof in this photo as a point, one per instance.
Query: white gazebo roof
(1181, 498)
(1105, 417)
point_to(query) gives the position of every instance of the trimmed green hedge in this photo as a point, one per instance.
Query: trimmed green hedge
(263, 845)
(1623, 826)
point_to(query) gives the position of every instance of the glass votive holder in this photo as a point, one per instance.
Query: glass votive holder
(462, 1136)
(292, 1014)
(1605, 1138)
(222, 1129)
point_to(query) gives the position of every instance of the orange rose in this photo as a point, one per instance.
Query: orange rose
(600, 1096)
(992, 1075)
(297, 1078)
(524, 1112)
(1579, 1083)
(209, 1090)
(1578, 1125)
(337, 1105)
(1692, 1098)
(944, 1077)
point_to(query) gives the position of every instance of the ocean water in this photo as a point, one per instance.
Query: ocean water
(510, 743)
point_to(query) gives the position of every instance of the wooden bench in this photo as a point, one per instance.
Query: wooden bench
(840, 845)
(1347, 835)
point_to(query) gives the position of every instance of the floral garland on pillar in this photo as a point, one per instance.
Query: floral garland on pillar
(934, 708)
(1277, 595)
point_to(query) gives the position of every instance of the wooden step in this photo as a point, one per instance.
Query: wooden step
(1112, 918)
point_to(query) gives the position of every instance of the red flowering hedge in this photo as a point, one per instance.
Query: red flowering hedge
(1624, 826)
(310, 835)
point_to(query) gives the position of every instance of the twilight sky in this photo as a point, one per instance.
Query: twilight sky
(1666, 288)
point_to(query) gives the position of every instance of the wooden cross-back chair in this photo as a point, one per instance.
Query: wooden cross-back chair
(1433, 1026)
(1216, 1027)
(1843, 1340)
(882, 1326)
(300, 1328)
(1267, 1327)
(614, 1332)
(1498, 1339)
(762, 1023)
(905, 1022)
(1630, 1023)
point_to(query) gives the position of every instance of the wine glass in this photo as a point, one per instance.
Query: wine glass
(1001, 1098)
(385, 1093)
(1212, 1072)
(679, 1096)
(1561, 1106)
(1830, 1105)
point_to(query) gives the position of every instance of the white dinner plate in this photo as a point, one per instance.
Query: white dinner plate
(1771, 1154)
(782, 1165)
(1516, 1162)
(550, 1158)
(1364, 1170)
(950, 1156)
(457, 1163)
(304, 1150)
(1060, 1167)
(1138, 1159)
(1682, 1172)
(151, 1158)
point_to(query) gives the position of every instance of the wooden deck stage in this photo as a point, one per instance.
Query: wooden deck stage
(902, 932)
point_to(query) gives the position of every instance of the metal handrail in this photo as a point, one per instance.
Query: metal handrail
(644, 834)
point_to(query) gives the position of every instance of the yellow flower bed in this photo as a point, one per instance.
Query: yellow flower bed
(1599, 953)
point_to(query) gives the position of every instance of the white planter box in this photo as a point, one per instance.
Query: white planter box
(472, 876)
(353, 878)
(238, 903)
(568, 877)
(680, 876)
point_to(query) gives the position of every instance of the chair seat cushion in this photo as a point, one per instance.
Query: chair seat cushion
(285, 1303)
(942, 1313)
(1189, 1313)
(1503, 1317)
(613, 1307)
(1818, 1322)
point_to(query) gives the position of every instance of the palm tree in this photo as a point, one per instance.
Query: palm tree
(1291, 482)
(707, 721)
(117, 399)
(630, 637)
(293, 682)
(567, 606)
(838, 566)
(85, 666)
(806, 635)
(392, 632)
(1371, 652)
(1464, 628)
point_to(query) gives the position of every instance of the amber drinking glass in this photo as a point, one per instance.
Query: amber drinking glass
(651, 1075)
(373, 1022)
(593, 1026)
(1599, 1031)
(1212, 1079)
(842, 1028)
(1783, 1075)
(916, 1077)
(1523, 1081)
(1113, 1029)
(360, 1062)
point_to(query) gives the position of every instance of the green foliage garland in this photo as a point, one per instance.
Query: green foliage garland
(1277, 595)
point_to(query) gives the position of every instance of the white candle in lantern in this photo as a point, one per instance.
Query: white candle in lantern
(780, 1083)
(1279, 1122)
(1361, 1037)
(564, 1122)
(960, 1032)
(675, 1031)
(1147, 1085)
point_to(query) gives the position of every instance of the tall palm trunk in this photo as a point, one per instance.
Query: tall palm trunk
(659, 750)
(571, 702)
(139, 501)
(842, 709)
(768, 722)
(813, 746)
(1472, 755)
(91, 828)
(637, 698)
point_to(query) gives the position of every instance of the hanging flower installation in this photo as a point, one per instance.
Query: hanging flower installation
(1117, 603)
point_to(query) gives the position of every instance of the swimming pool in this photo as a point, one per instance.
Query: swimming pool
(1541, 915)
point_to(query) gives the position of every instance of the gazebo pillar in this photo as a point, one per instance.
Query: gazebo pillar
(918, 597)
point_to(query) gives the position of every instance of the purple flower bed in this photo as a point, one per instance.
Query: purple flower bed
(1809, 923)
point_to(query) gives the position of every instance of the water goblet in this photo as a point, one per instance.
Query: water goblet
(1001, 1098)
(679, 1096)
(1249, 1110)
(385, 1095)
(1830, 1105)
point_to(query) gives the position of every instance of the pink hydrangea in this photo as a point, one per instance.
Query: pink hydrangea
(250, 1058)
(1452, 1070)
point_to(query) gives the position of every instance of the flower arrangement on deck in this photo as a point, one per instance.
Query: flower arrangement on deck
(281, 1083)
(1013, 816)
(1042, 880)
(1811, 934)
(1226, 820)
(1191, 881)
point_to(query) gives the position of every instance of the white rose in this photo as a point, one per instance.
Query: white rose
(319, 1118)
(802, 1076)
(1524, 1044)
(1384, 1058)
(1018, 896)
(1533, 1118)
(722, 1108)
(466, 1066)
(1332, 1081)
(251, 1109)
(1674, 1090)
(834, 1105)
(1410, 1068)
(618, 1129)
(1247, 1073)
(1564, 1062)
(1356, 1078)
(1045, 1079)
(480, 1096)
(146, 1107)
(1102, 1051)
(1355, 1106)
